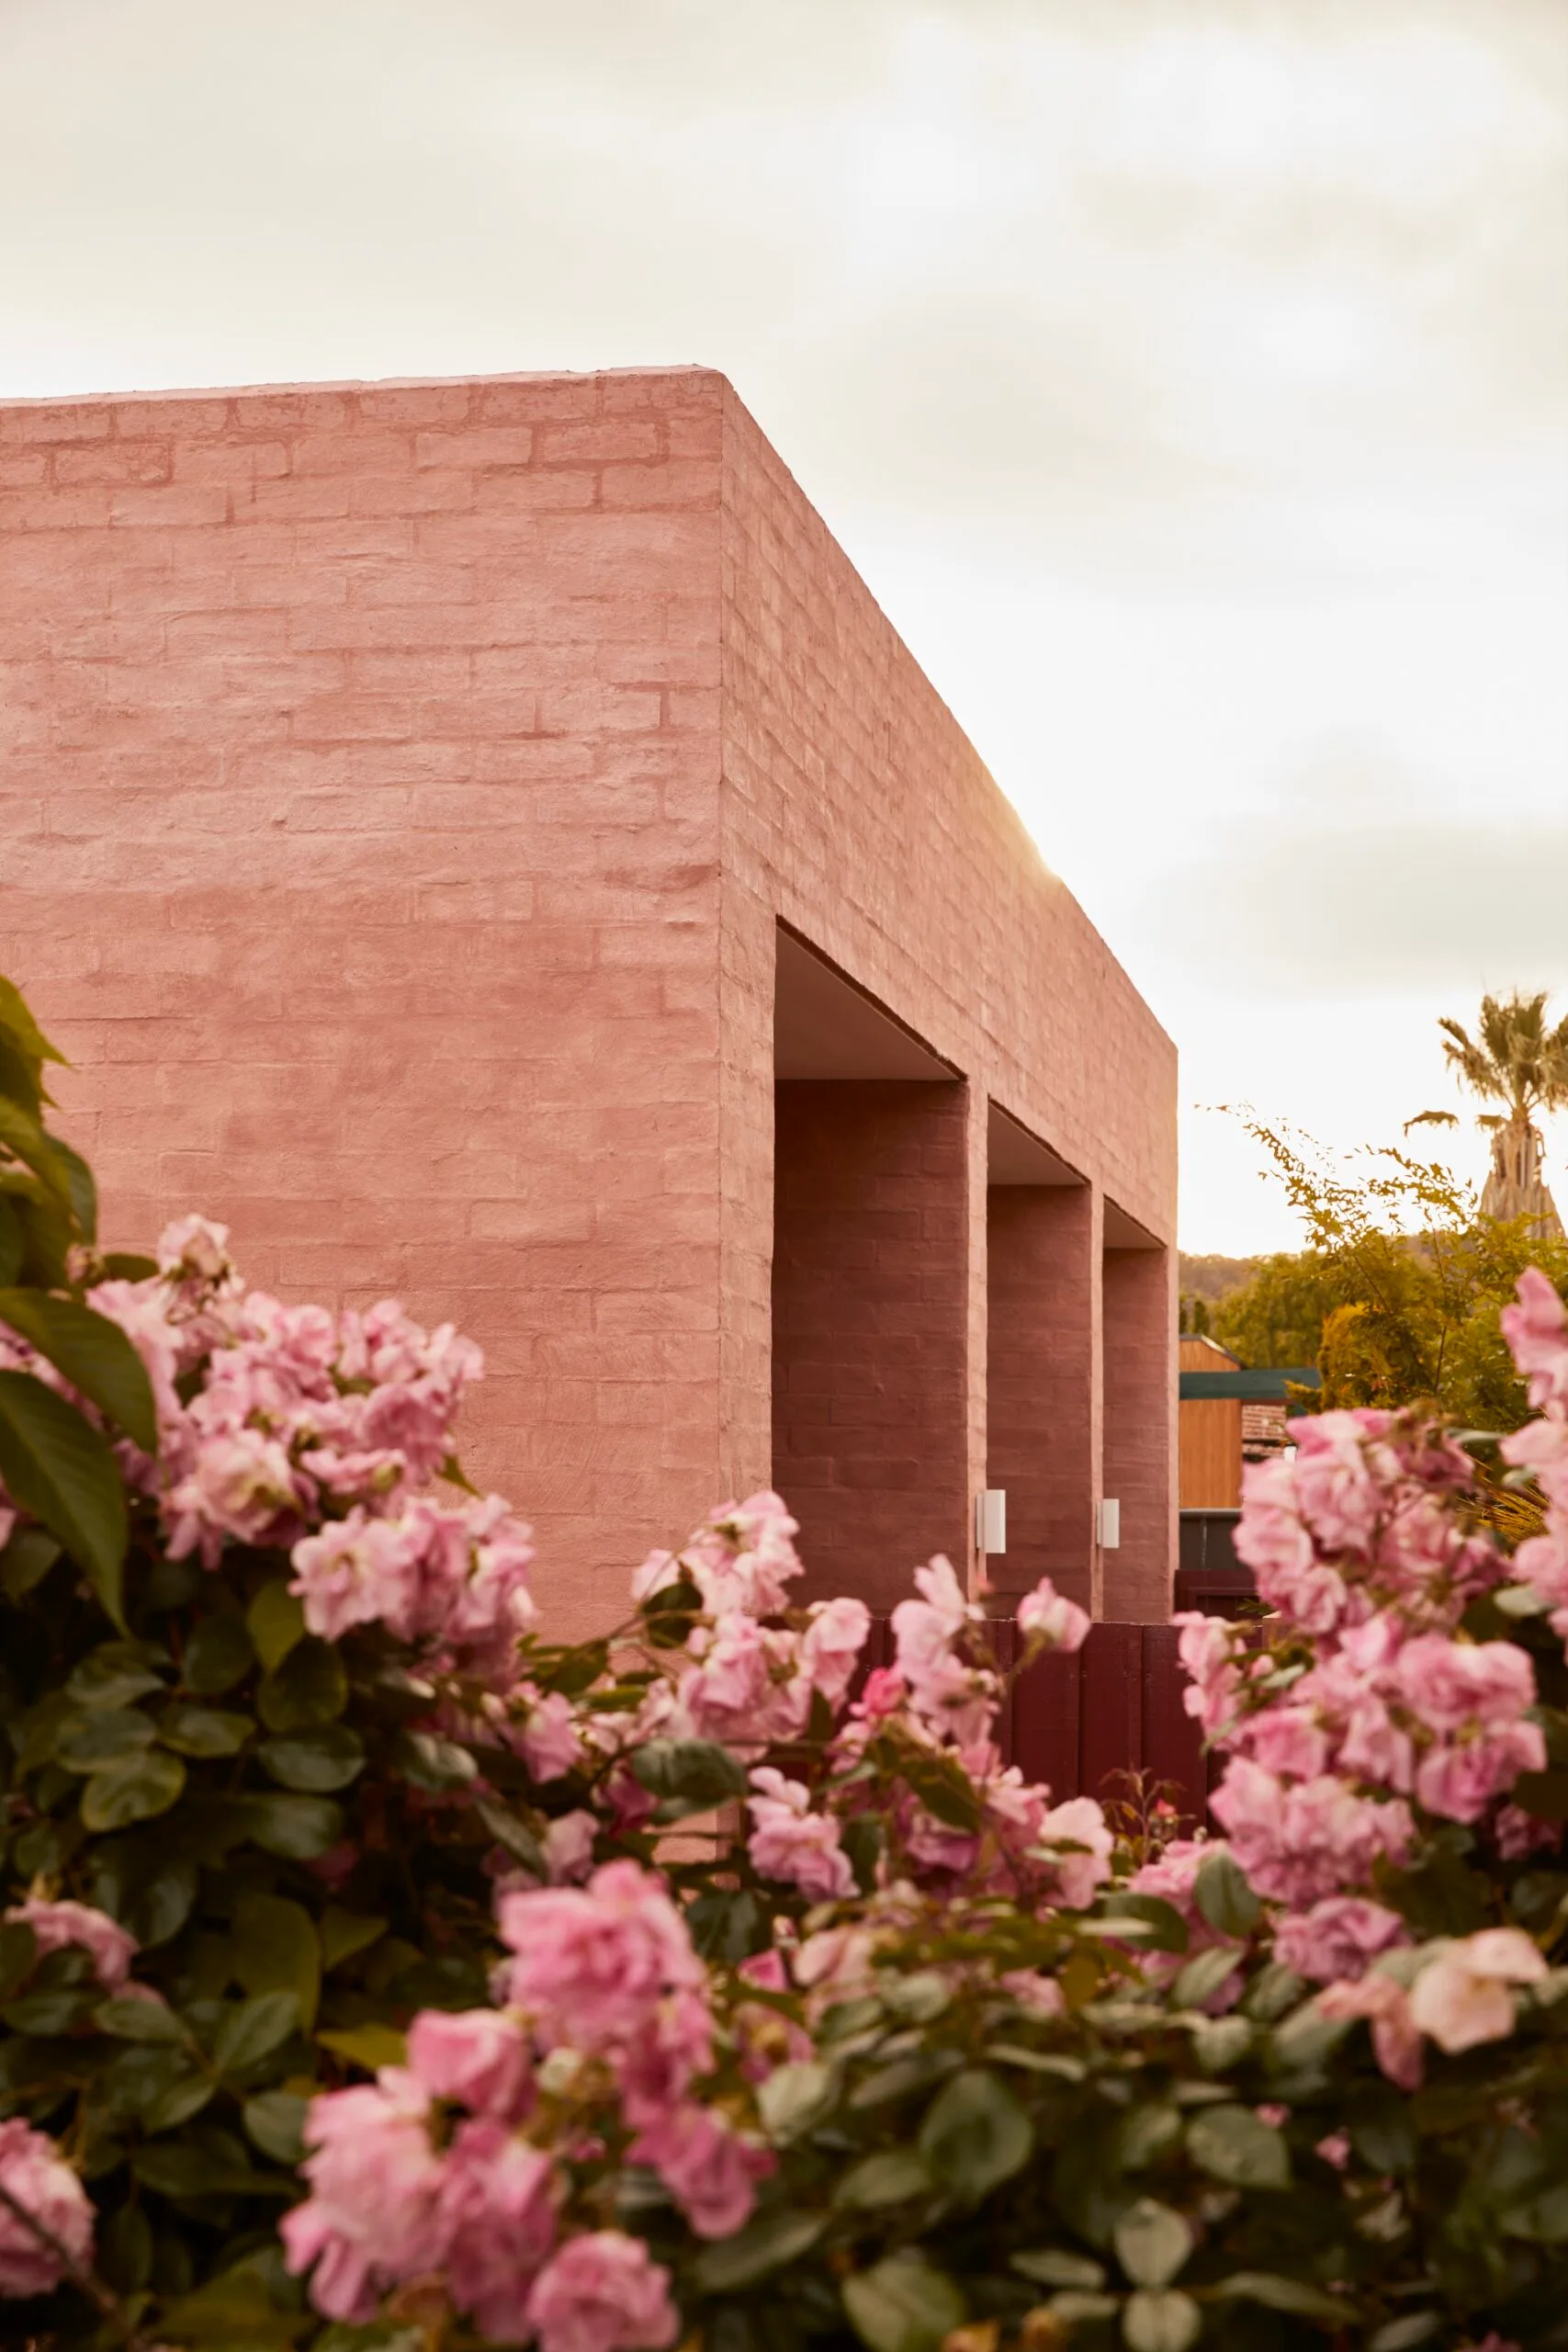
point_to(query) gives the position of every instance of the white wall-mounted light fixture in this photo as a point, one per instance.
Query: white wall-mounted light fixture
(1110, 1523)
(992, 1520)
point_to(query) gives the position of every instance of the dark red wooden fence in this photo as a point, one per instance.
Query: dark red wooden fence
(1078, 1721)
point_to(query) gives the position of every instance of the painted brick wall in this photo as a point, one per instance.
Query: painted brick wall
(870, 1311)
(1043, 1386)
(360, 847)
(401, 785)
(1139, 1291)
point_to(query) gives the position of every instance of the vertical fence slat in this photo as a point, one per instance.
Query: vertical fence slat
(1045, 1719)
(1076, 1721)
(1112, 1707)
(1173, 1745)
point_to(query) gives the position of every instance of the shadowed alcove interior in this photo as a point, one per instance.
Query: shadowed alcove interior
(869, 1284)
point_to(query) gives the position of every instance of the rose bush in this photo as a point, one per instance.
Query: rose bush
(374, 1971)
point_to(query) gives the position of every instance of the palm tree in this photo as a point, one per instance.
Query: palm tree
(1520, 1062)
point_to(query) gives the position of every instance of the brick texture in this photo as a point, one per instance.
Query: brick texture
(869, 1318)
(401, 786)
(1043, 1386)
(1140, 1417)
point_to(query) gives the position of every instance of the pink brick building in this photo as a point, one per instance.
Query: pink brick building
(483, 841)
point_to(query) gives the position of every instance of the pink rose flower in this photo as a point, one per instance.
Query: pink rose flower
(792, 1843)
(1460, 1782)
(478, 2056)
(32, 2171)
(741, 1562)
(358, 1571)
(746, 1687)
(1396, 2042)
(706, 2167)
(1449, 1683)
(498, 2214)
(568, 1844)
(55, 1925)
(656, 2069)
(546, 1738)
(1536, 1331)
(1339, 1937)
(596, 1960)
(242, 1484)
(1287, 1740)
(1047, 1613)
(1462, 1996)
(373, 2215)
(1299, 1844)
(1041, 1995)
(1079, 1823)
(602, 2292)
(832, 1644)
(1519, 1833)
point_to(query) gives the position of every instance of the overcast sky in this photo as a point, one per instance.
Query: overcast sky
(1188, 377)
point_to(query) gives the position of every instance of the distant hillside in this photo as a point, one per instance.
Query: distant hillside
(1215, 1278)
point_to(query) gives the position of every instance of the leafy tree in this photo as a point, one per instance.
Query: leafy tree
(1396, 1296)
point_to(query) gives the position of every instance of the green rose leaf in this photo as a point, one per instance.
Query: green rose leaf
(1543, 1793)
(99, 1736)
(344, 1933)
(180, 2171)
(134, 2020)
(309, 1688)
(24, 1139)
(252, 2029)
(19, 1952)
(1203, 1977)
(203, 1731)
(765, 2246)
(113, 1675)
(13, 1234)
(27, 1558)
(976, 2134)
(1276, 2294)
(135, 1790)
(432, 1763)
(1152, 2243)
(276, 1950)
(1164, 1928)
(517, 1838)
(128, 1266)
(1219, 2044)
(297, 1830)
(1223, 1897)
(276, 2121)
(1232, 2145)
(92, 1353)
(795, 2096)
(1160, 2320)
(891, 2178)
(370, 2046)
(275, 1622)
(903, 2305)
(185, 2098)
(1054, 2266)
(694, 1773)
(59, 1468)
(218, 1655)
(319, 1761)
(945, 1789)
